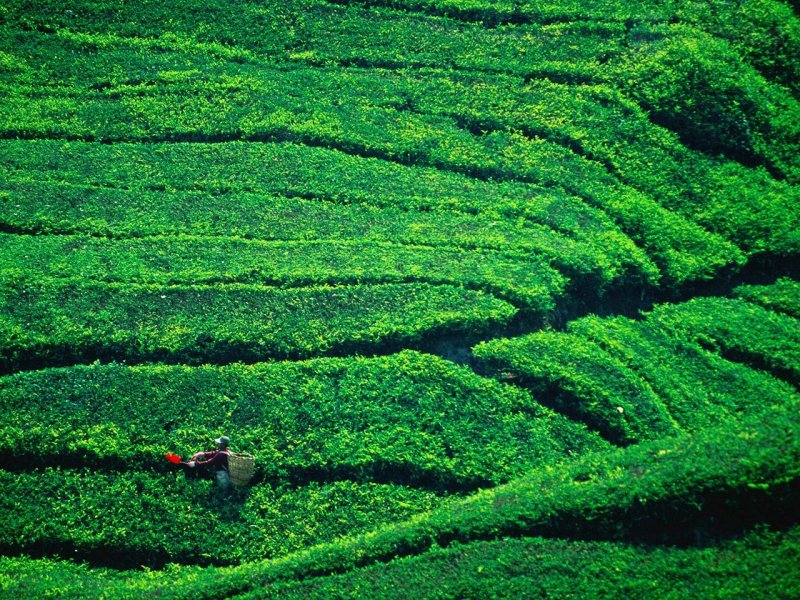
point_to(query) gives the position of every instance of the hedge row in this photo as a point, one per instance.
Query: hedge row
(283, 169)
(133, 519)
(710, 114)
(604, 125)
(67, 321)
(746, 104)
(636, 380)
(577, 378)
(760, 565)
(251, 109)
(697, 388)
(728, 107)
(765, 33)
(674, 482)
(325, 34)
(191, 260)
(605, 256)
(408, 418)
(781, 296)
(738, 329)
(597, 121)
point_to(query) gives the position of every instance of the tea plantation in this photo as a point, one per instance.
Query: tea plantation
(502, 296)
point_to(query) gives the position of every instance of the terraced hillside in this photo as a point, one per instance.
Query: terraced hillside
(502, 296)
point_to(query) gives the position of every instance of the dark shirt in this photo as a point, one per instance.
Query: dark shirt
(215, 458)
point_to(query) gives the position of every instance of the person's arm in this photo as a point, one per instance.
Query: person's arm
(216, 458)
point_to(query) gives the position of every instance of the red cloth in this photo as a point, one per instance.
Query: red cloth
(215, 458)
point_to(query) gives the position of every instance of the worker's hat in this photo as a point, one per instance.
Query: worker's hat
(223, 440)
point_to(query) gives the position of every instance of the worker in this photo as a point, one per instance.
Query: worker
(215, 459)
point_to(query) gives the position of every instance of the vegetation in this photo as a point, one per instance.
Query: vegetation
(56, 323)
(545, 567)
(635, 380)
(409, 418)
(495, 292)
(687, 481)
(184, 260)
(737, 329)
(782, 296)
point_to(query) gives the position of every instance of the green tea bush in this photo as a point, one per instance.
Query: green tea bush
(760, 564)
(602, 124)
(583, 381)
(132, 519)
(207, 161)
(763, 564)
(737, 329)
(616, 493)
(288, 170)
(698, 388)
(53, 578)
(360, 115)
(171, 260)
(635, 379)
(698, 86)
(325, 34)
(782, 296)
(574, 41)
(56, 323)
(407, 418)
(604, 260)
(765, 33)
(456, 209)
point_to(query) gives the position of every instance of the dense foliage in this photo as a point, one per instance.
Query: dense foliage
(634, 380)
(58, 322)
(264, 219)
(410, 417)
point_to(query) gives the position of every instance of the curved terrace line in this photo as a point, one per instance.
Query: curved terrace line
(376, 471)
(51, 229)
(356, 64)
(488, 18)
(65, 232)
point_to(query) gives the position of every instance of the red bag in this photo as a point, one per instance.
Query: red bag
(173, 458)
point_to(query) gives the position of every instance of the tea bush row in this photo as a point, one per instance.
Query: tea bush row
(707, 114)
(738, 330)
(410, 418)
(765, 33)
(728, 108)
(132, 519)
(604, 257)
(325, 34)
(636, 380)
(697, 388)
(62, 322)
(681, 248)
(193, 260)
(602, 124)
(686, 479)
(762, 563)
(292, 171)
(578, 378)
(782, 296)
(295, 172)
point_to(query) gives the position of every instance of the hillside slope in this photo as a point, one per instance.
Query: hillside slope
(503, 297)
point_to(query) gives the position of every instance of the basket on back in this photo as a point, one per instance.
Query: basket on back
(241, 468)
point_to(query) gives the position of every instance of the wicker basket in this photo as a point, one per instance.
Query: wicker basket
(241, 468)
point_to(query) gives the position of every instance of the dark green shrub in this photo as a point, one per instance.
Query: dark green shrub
(66, 321)
(781, 296)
